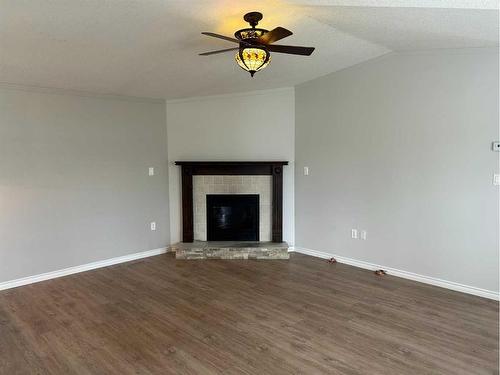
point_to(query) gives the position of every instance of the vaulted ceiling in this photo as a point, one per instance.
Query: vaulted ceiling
(149, 48)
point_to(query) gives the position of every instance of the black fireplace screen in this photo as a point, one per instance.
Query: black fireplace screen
(233, 217)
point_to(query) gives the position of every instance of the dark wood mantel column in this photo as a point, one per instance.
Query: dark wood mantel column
(187, 204)
(277, 203)
(190, 168)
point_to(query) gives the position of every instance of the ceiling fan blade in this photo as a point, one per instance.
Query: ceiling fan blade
(219, 51)
(221, 37)
(293, 50)
(274, 35)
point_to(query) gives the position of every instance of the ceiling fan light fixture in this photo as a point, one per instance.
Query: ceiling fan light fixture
(255, 44)
(252, 59)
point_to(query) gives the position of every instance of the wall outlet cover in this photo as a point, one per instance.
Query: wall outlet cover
(496, 179)
(153, 225)
(151, 171)
(354, 233)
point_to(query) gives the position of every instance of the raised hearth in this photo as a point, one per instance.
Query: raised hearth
(230, 250)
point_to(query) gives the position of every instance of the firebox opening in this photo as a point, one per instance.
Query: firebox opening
(232, 217)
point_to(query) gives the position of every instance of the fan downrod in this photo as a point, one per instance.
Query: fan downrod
(253, 18)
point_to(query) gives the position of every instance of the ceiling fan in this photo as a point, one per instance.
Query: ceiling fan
(255, 44)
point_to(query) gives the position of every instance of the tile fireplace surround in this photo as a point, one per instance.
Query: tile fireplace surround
(200, 178)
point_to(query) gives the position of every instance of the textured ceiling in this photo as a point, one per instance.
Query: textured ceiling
(149, 48)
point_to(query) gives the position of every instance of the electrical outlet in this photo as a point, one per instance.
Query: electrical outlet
(354, 233)
(151, 171)
(306, 171)
(496, 179)
(363, 234)
(153, 225)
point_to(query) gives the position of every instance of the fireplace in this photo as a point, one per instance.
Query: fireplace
(233, 217)
(220, 169)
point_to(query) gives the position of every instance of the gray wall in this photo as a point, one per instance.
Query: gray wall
(400, 146)
(252, 126)
(74, 185)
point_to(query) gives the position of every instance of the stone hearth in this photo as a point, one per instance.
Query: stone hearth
(230, 250)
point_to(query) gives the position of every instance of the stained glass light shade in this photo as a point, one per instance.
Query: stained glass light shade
(252, 59)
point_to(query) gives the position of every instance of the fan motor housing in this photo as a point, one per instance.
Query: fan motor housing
(249, 34)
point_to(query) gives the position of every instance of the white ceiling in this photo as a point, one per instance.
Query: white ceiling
(149, 48)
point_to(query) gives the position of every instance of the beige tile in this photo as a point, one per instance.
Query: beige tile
(246, 180)
(199, 196)
(265, 199)
(208, 179)
(219, 189)
(266, 224)
(245, 189)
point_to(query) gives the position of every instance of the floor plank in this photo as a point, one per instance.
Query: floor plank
(302, 316)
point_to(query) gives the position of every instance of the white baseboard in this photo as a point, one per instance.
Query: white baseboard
(319, 254)
(404, 274)
(81, 268)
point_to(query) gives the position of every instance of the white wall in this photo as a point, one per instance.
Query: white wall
(251, 126)
(401, 146)
(74, 185)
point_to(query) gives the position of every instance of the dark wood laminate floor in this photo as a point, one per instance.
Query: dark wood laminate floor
(303, 316)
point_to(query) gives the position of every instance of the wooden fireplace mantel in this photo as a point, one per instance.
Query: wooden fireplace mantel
(272, 168)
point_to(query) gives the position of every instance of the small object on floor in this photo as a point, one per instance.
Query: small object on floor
(332, 260)
(380, 272)
(171, 349)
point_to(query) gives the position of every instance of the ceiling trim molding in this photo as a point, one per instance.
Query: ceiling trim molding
(232, 95)
(443, 4)
(89, 94)
(457, 50)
